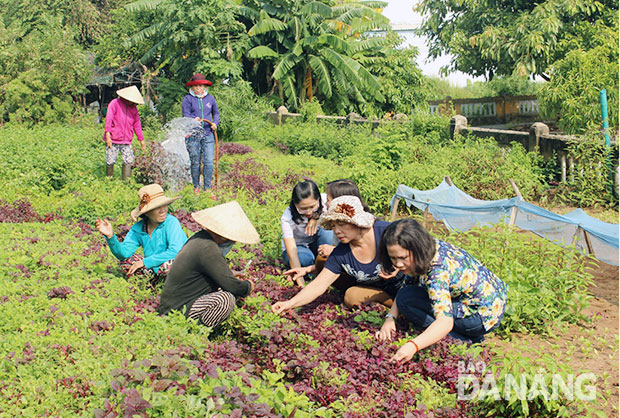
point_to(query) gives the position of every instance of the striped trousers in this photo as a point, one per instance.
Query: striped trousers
(213, 308)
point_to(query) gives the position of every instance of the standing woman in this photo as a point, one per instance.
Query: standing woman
(199, 104)
(121, 122)
(452, 294)
(160, 235)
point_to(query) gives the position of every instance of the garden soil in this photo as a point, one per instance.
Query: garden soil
(589, 347)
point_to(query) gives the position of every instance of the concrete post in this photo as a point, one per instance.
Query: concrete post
(457, 124)
(281, 111)
(537, 130)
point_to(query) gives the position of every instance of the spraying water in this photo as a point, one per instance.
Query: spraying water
(175, 165)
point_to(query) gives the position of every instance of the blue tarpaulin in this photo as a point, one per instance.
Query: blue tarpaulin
(460, 211)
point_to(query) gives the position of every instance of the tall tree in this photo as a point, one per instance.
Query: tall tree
(186, 36)
(312, 48)
(502, 37)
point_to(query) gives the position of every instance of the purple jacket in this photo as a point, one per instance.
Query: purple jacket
(122, 120)
(205, 108)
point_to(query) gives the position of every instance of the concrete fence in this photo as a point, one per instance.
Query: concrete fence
(490, 110)
(538, 138)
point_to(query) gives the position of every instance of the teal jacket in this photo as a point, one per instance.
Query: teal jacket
(164, 243)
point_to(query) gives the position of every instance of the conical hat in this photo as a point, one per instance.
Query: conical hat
(229, 221)
(131, 94)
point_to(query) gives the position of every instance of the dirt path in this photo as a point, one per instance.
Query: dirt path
(588, 347)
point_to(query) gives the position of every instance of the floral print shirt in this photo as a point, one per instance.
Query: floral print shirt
(456, 276)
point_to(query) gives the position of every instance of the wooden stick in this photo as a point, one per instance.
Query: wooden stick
(448, 180)
(217, 150)
(217, 159)
(395, 208)
(515, 188)
(588, 243)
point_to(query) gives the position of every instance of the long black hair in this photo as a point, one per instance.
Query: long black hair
(412, 236)
(345, 187)
(301, 191)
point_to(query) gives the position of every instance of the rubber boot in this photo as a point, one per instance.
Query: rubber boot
(109, 170)
(126, 173)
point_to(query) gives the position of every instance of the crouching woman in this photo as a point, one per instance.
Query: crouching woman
(200, 283)
(449, 291)
(160, 235)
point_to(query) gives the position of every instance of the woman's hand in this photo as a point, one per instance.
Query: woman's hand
(134, 267)
(143, 145)
(388, 276)
(387, 331)
(108, 140)
(105, 227)
(311, 227)
(325, 250)
(297, 274)
(405, 353)
(280, 307)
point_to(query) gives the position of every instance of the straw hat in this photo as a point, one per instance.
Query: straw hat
(131, 94)
(198, 79)
(347, 209)
(229, 221)
(151, 197)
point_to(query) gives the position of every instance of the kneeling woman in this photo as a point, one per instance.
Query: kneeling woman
(200, 283)
(452, 294)
(160, 235)
(301, 237)
(357, 255)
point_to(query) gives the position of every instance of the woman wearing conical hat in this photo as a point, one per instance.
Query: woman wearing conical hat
(160, 235)
(200, 284)
(121, 122)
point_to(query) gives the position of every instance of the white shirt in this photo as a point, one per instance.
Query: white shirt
(298, 231)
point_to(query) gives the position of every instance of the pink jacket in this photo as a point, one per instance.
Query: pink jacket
(122, 120)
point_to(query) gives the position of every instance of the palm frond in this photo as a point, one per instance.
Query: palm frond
(296, 26)
(269, 24)
(283, 68)
(366, 25)
(315, 7)
(297, 49)
(140, 5)
(248, 12)
(345, 64)
(261, 52)
(151, 52)
(374, 4)
(371, 84)
(335, 42)
(288, 85)
(366, 44)
(142, 35)
(319, 67)
(348, 11)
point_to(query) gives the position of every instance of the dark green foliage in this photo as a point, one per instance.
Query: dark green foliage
(573, 94)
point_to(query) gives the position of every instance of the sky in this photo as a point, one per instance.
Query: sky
(401, 12)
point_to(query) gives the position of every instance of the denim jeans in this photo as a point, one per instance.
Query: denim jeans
(201, 149)
(415, 305)
(308, 254)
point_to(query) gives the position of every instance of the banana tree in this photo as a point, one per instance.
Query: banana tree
(312, 48)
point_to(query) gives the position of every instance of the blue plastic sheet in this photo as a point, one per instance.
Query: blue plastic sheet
(460, 211)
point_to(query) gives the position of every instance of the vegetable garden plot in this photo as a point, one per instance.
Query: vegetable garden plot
(460, 211)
